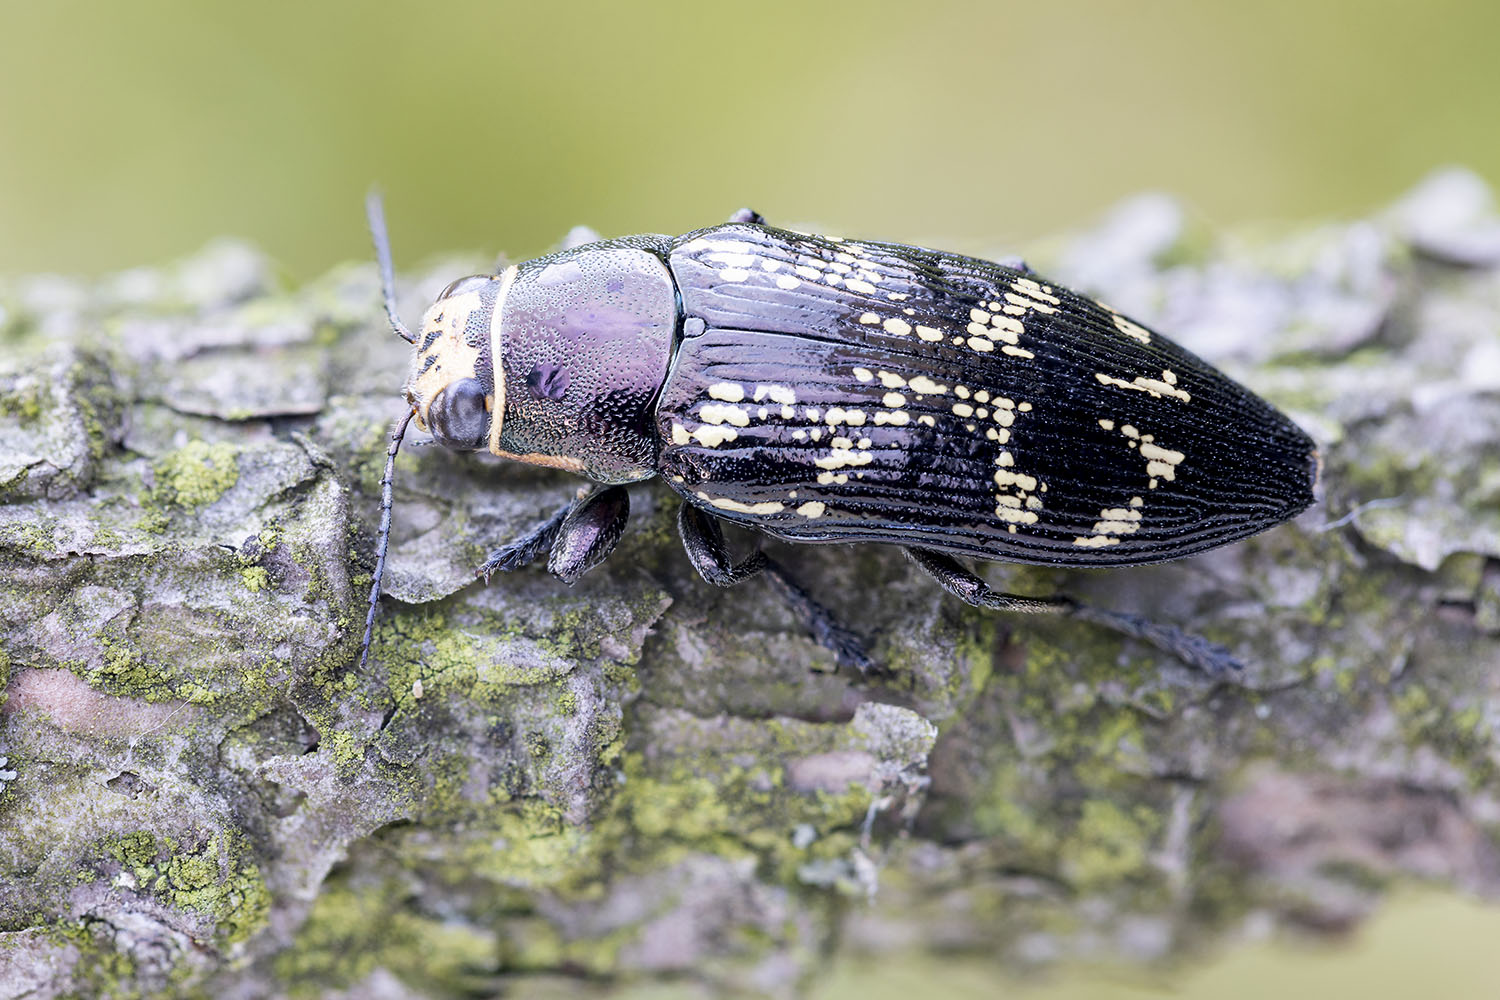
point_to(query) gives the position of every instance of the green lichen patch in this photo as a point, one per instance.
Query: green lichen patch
(218, 877)
(196, 474)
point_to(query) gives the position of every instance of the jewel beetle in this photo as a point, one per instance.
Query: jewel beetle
(820, 389)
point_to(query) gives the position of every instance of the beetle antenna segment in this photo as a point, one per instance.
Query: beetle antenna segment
(384, 537)
(375, 212)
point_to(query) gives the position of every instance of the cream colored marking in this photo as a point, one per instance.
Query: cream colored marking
(678, 478)
(1161, 462)
(724, 503)
(711, 437)
(897, 327)
(1019, 352)
(992, 434)
(813, 508)
(1129, 431)
(726, 391)
(770, 265)
(981, 413)
(841, 457)
(891, 380)
(787, 282)
(1114, 521)
(810, 273)
(979, 316)
(799, 435)
(962, 391)
(840, 266)
(897, 296)
(1129, 328)
(924, 386)
(734, 274)
(1095, 541)
(870, 276)
(983, 346)
(719, 413)
(841, 442)
(497, 355)
(812, 412)
(982, 396)
(816, 433)
(680, 434)
(1015, 310)
(857, 285)
(862, 443)
(1008, 327)
(1027, 286)
(909, 311)
(1006, 458)
(831, 278)
(762, 413)
(1108, 425)
(957, 341)
(869, 319)
(1156, 387)
(863, 374)
(693, 246)
(1024, 407)
(928, 334)
(854, 418)
(927, 419)
(566, 462)
(979, 330)
(1004, 435)
(844, 258)
(788, 412)
(1137, 502)
(894, 400)
(963, 410)
(1005, 477)
(825, 479)
(1005, 417)
(783, 394)
(971, 428)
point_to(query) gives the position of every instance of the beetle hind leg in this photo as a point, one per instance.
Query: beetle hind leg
(704, 542)
(1193, 650)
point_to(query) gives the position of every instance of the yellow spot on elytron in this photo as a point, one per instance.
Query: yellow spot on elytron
(897, 327)
(982, 396)
(908, 311)
(1161, 462)
(1008, 328)
(924, 386)
(724, 503)
(928, 334)
(1006, 458)
(1024, 407)
(855, 284)
(1129, 431)
(869, 319)
(927, 419)
(963, 410)
(841, 457)
(992, 434)
(787, 413)
(979, 316)
(799, 435)
(957, 341)
(981, 345)
(1004, 417)
(1127, 327)
(680, 434)
(841, 265)
(831, 278)
(770, 265)
(783, 394)
(787, 282)
(1114, 521)
(1005, 477)
(863, 374)
(1169, 377)
(825, 479)
(981, 413)
(727, 391)
(894, 400)
(1108, 425)
(962, 391)
(813, 508)
(1004, 435)
(816, 433)
(711, 436)
(734, 274)
(979, 330)
(1018, 352)
(896, 418)
(1027, 286)
(1095, 541)
(891, 380)
(1156, 387)
(722, 413)
(897, 296)
(812, 412)
(1024, 304)
(1137, 502)
(810, 273)
(841, 442)
(862, 443)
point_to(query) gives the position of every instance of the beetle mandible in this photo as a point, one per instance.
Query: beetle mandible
(830, 390)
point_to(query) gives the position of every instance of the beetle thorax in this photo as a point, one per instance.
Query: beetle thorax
(584, 339)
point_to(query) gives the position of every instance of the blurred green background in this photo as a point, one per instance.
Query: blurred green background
(133, 132)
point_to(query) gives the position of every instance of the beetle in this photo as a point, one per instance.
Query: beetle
(819, 389)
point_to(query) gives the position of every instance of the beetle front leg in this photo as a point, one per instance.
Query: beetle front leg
(1194, 650)
(704, 542)
(522, 551)
(589, 533)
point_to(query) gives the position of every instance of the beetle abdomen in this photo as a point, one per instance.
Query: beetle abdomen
(831, 390)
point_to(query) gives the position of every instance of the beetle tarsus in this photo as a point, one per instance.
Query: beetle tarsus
(1193, 650)
(519, 552)
(704, 542)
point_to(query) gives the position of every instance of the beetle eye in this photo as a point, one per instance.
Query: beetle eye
(458, 418)
(472, 283)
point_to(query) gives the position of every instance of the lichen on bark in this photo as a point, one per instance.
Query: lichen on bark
(642, 778)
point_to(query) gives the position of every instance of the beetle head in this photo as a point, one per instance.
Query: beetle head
(451, 384)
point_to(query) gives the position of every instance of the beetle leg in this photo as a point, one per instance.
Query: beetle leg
(1194, 650)
(704, 542)
(748, 215)
(589, 533)
(519, 552)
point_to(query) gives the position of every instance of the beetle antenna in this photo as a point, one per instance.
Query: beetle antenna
(384, 537)
(375, 212)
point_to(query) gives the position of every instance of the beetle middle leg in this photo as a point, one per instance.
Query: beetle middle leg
(1194, 650)
(704, 542)
(578, 536)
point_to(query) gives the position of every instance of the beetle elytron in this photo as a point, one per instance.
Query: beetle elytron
(827, 390)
